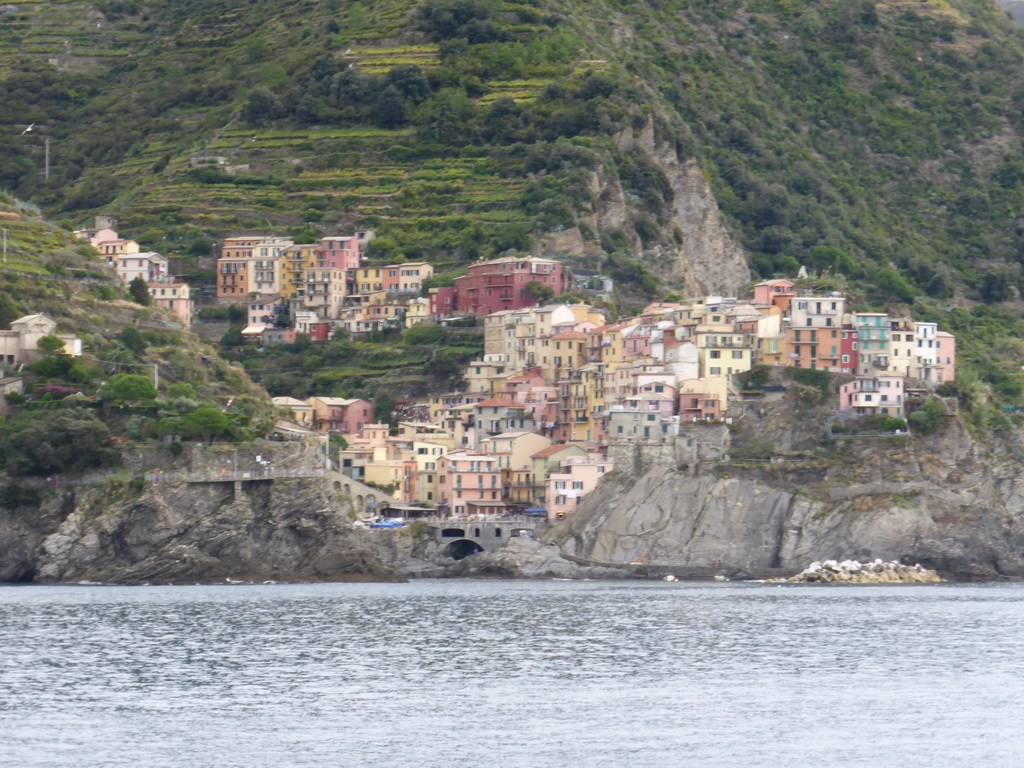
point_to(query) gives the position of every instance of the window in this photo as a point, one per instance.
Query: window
(737, 354)
(715, 354)
(577, 485)
(716, 371)
(559, 485)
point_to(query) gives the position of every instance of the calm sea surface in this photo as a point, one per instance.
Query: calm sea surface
(531, 675)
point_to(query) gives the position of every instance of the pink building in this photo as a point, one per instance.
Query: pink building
(774, 293)
(697, 402)
(946, 356)
(491, 286)
(882, 395)
(636, 341)
(338, 252)
(577, 477)
(175, 297)
(469, 484)
(664, 403)
(339, 414)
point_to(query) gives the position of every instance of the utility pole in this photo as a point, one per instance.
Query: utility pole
(5, 245)
(156, 377)
(46, 173)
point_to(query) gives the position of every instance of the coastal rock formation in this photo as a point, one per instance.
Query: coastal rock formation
(853, 572)
(948, 501)
(529, 559)
(204, 532)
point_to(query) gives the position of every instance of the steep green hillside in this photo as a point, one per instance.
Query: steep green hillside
(75, 411)
(877, 140)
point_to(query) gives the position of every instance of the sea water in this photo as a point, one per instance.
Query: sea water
(501, 673)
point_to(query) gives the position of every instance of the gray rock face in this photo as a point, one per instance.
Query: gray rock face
(530, 559)
(282, 531)
(705, 258)
(941, 502)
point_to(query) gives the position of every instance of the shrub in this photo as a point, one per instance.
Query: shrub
(929, 418)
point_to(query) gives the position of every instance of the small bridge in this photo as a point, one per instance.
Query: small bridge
(464, 536)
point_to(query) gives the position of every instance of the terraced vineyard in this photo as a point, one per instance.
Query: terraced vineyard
(210, 169)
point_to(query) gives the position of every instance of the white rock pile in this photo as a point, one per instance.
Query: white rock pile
(853, 572)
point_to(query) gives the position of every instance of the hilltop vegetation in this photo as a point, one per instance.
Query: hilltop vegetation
(77, 411)
(879, 141)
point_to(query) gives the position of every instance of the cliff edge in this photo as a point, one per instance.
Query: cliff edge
(947, 501)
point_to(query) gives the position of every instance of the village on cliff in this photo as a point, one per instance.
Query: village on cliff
(529, 431)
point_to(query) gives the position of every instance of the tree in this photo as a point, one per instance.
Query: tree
(50, 345)
(128, 388)
(205, 423)
(410, 81)
(390, 109)
(8, 310)
(262, 105)
(446, 114)
(181, 389)
(233, 337)
(539, 292)
(894, 284)
(131, 338)
(139, 291)
(383, 408)
(53, 442)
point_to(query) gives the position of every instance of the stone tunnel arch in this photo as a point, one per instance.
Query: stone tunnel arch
(462, 548)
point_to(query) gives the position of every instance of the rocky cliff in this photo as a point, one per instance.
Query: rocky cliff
(947, 501)
(287, 530)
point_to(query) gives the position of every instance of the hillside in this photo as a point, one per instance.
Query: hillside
(140, 375)
(671, 144)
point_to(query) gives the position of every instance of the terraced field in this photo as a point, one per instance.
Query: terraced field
(209, 171)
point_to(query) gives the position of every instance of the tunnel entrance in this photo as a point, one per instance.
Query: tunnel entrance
(462, 548)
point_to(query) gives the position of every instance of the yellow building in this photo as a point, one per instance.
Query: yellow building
(514, 450)
(295, 260)
(426, 454)
(723, 351)
(417, 312)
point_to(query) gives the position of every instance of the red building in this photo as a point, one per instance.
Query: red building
(319, 331)
(442, 301)
(491, 286)
(848, 350)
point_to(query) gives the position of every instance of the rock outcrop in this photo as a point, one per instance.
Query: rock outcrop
(203, 532)
(947, 501)
(529, 559)
(853, 572)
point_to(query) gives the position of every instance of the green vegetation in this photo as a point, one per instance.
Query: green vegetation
(382, 365)
(877, 144)
(77, 411)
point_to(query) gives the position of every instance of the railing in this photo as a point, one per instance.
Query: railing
(227, 475)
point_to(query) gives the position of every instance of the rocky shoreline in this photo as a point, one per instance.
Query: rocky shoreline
(853, 572)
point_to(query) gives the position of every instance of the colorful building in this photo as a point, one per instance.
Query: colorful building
(867, 396)
(491, 286)
(175, 297)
